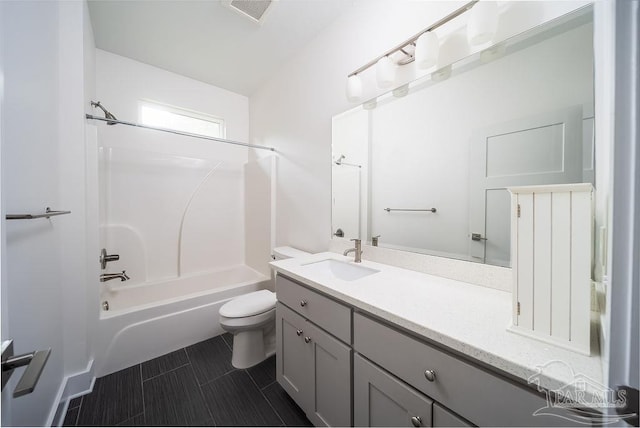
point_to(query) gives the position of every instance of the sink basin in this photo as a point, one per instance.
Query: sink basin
(339, 270)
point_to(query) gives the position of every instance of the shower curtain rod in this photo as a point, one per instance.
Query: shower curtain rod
(171, 131)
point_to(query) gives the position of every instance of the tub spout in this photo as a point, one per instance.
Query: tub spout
(109, 276)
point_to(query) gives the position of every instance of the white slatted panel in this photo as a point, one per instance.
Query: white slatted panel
(542, 254)
(561, 265)
(581, 239)
(552, 247)
(525, 261)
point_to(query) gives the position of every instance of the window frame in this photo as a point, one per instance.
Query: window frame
(181, 111)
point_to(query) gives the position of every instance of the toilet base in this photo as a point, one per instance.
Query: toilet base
(252, 347)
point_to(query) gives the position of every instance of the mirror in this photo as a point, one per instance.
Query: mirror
(426, 166)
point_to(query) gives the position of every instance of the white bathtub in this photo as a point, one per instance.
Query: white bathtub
(148, 320)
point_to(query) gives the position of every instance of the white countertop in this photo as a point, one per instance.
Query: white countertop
(468, 318)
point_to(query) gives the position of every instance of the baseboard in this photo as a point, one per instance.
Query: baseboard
(72, 386)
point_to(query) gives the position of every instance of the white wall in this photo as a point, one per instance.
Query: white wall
(45, 288)
(293, 110)
(174, 205)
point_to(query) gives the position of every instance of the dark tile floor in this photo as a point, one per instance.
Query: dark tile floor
(194, 386)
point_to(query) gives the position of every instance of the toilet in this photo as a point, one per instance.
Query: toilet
(251, 319)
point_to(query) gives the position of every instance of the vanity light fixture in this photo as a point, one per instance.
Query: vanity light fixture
(423, 48)
(427, 49)
(483, 23)
(385, 72)
(354, 88)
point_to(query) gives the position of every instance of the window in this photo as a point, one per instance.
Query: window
(177, 119)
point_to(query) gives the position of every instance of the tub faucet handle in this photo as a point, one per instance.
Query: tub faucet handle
(106, 258)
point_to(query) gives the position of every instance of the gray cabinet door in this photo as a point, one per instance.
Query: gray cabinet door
(443, 417)
(294, 358)
(331, 379)
(314, 368)
(380, 399)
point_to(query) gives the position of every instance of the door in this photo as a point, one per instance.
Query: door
(331, 379)
(32, 301)
(381, 400)
(544, 149)
(294, 360)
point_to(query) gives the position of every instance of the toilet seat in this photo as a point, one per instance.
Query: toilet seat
(249, 305)
(246, 323)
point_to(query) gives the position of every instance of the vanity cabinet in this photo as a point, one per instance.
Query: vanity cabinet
(312, 365)
(346, 367)
(382, 400)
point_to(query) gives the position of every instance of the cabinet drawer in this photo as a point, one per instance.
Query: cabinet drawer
(326, 313)
(477, 395)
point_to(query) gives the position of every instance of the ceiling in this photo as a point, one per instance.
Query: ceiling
(207, 41)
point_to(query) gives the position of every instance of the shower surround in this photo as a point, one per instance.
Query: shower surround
(190, 219)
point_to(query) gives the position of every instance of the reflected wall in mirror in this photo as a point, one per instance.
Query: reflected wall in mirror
(518, 113)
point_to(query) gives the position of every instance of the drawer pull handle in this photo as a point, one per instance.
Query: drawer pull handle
(430, 375)
(307, 339)
(416, 421)
(299, 332)
(303, 303)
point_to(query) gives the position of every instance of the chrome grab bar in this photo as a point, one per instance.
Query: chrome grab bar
(409, 209)
(47, 213)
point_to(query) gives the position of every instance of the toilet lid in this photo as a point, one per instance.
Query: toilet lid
(249, 304)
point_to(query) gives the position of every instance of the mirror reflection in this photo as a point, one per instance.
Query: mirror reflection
(425, 168)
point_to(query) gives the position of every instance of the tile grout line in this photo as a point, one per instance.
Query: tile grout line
(230, 346)
(75, 423)
(165, 372)
(222, 375)
(193, 370)
(265, 398)
(144, 408)
(79, 407)
(267, 386)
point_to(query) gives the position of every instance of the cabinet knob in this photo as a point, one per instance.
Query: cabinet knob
(307, 339)
(303, 303)
(416, 421)
(299, 332)
(430, 375)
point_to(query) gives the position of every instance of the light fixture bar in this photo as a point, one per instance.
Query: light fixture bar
(413, 39)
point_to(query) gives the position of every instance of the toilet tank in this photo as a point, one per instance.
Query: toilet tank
(281, 253)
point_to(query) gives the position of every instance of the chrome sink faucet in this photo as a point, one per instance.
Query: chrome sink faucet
(109, 276)
(357, 249)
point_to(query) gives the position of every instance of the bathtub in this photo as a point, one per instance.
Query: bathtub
(148, 320)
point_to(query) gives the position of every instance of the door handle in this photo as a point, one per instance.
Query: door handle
(35, 362)
(477, 237)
